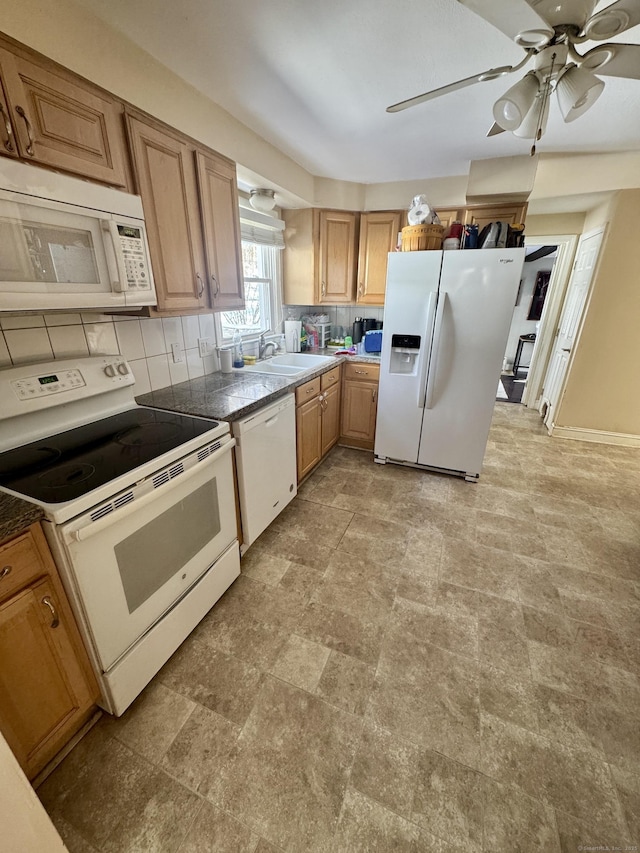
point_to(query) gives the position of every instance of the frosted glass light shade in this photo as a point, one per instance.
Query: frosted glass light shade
(510, 110)
(262, 200)
(577, 91)
(529, 127)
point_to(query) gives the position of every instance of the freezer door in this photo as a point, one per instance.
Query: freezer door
(409, 311)
(478, 292)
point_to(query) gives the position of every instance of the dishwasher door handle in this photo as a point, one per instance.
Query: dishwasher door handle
(271, 421)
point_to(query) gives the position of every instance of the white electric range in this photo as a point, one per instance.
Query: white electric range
(139, 509)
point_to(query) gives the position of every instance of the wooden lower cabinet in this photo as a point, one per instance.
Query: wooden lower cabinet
(317, 419)
(47, 688)
(359, 405)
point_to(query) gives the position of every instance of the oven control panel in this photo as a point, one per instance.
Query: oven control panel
(53, 383)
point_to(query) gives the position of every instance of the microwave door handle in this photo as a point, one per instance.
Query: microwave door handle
(111, 518)
(435, 351)
(115, 264)
(426, 346)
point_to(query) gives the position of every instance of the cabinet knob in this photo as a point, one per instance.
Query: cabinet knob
(54, 615)
(4, 571)
(362, 372)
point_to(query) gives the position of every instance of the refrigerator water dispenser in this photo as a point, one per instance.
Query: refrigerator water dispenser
(404, 354)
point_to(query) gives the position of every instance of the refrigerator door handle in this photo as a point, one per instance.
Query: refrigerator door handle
(435, 351)
(422, 380)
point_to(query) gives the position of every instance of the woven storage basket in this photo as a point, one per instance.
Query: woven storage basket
(420, 237)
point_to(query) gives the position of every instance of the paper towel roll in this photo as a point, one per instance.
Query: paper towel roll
(292, 331)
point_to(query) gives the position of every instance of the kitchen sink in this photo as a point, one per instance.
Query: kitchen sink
(277, 369)
(290, 363)
(302, 359)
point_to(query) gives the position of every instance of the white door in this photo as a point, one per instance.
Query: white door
(570, 319)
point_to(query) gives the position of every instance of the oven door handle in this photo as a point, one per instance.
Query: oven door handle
(94, 527)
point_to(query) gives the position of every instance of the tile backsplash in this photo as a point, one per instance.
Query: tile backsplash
(145, 343)
(339, 315)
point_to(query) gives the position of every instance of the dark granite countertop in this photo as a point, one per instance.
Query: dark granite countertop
(16, 515)
(232, 396)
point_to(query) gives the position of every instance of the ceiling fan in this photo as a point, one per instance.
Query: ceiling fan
(549, 31)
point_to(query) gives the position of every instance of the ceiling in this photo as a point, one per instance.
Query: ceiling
(315, 78)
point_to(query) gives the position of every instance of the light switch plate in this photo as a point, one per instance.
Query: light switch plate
(177, 353)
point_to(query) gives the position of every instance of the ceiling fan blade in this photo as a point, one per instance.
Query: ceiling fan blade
(495, 129)
(613, 20)
(515, 18)
(613, 60)
(491, 74)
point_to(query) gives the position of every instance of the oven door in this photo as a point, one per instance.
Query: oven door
(133, 564)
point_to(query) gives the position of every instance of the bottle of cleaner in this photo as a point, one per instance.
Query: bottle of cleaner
(238, 358)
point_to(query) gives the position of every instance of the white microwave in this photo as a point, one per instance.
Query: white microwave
(69, 244)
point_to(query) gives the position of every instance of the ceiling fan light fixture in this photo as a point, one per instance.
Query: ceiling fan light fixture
(263, 200)
(510, 110)
(534, 123)
(577, 91)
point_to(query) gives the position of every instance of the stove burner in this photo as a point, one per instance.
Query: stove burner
(150, 433)
(66, 476)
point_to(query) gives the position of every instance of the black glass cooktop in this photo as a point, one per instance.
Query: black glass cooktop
(70, 464)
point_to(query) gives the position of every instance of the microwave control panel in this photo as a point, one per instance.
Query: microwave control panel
(134, 255)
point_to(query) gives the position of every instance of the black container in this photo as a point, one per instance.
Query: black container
(368, 324)
(357, 330)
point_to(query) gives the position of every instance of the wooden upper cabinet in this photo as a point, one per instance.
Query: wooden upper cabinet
(62, 123)
(166, 176)
(449, 215)
(221, 230)
(484, 214)
(336, 236)
(378, 237)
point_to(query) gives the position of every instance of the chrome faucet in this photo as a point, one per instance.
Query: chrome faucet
(263, 346)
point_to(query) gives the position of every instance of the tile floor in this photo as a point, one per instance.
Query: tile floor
(408, 662)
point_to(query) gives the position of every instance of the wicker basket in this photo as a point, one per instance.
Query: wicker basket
(420, 237)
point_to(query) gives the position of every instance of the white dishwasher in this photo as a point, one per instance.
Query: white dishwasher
(266, 464)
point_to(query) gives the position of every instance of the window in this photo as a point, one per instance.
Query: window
(261, 264)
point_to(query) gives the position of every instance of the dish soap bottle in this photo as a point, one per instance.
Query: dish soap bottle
(238, 359)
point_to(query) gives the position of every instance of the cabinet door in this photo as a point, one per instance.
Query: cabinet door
(359, 408)
(378, 237)
(448, 216)
(336, 256)
(481, 216)
(67, 125)
(166, 178)
(43, 690)
(221, 231)
(308, 436)
(8, 141)
(330, 418)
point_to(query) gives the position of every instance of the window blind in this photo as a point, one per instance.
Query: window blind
(260, 228)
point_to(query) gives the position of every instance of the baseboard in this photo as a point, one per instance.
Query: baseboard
(596, 435)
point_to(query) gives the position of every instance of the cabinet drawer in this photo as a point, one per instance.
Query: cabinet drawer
(362, 371)
(307, 391)
(20, 563)
(330, 378)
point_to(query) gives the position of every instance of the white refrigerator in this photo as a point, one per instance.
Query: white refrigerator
(446, 321)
